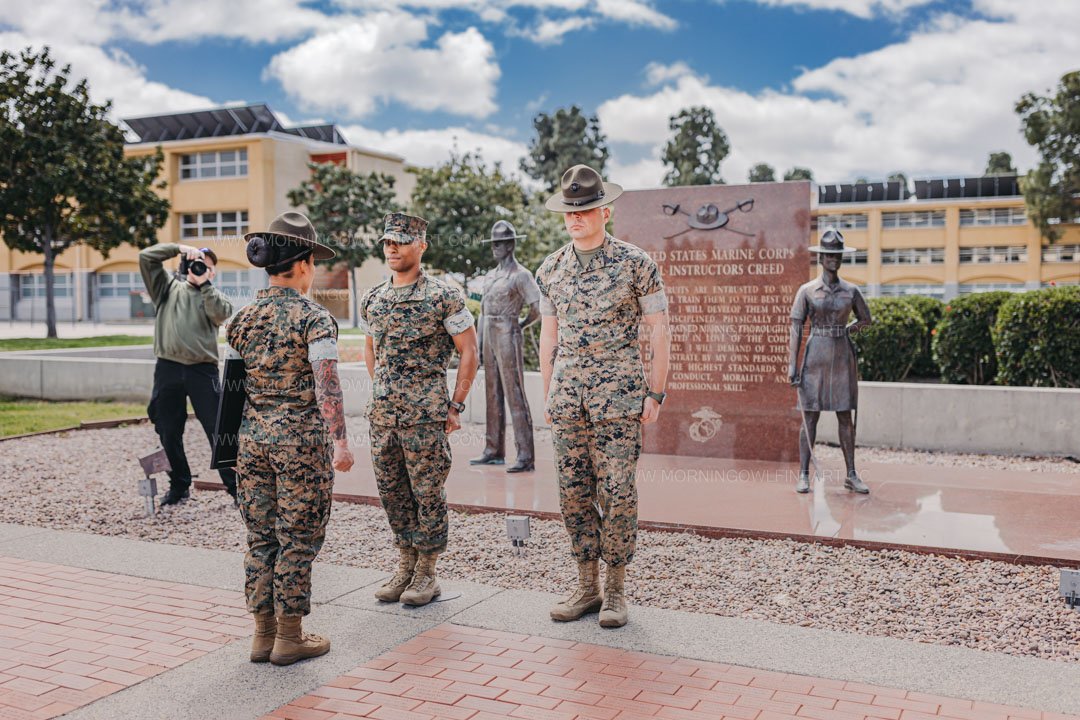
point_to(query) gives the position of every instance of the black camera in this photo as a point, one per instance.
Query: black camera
(195, 267)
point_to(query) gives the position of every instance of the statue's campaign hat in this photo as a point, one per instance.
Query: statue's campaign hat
(503, 230)
(582, 188)
(831, 242)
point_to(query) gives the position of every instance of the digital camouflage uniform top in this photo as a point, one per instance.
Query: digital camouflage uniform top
(598, 368)
(278, 335)
(411, 329)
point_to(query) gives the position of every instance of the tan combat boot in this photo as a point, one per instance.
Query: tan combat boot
(613, 614)
(292, 643)
(263, 641)
(391, 591)
(585, 599)
(424, 587)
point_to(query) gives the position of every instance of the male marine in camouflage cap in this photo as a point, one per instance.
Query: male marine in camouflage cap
(292, 437)
(596, 292)
(413, 323)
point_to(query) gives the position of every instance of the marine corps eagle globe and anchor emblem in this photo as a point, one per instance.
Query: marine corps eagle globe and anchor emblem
(706, 424)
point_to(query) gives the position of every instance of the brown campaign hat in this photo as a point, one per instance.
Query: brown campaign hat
(289, 229)
(582, 189)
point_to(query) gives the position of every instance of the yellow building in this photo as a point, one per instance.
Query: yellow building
(228, 170)
(953, 236)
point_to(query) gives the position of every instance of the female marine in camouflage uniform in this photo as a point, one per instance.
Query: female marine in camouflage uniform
(293, 421)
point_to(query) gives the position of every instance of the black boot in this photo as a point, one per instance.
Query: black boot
(487, 459)
(522, 465)
(178, 490)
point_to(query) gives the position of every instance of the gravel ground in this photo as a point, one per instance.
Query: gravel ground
(78, 481)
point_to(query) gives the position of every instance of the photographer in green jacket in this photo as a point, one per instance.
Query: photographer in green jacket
(189, 311)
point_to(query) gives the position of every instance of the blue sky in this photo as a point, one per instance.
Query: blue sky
(846, 87)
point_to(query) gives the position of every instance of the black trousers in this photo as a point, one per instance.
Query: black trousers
(174, 383)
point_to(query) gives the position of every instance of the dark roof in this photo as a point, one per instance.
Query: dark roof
(221, 122)
(929, 189)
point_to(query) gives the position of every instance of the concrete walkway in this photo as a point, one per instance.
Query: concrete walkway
(178, 609)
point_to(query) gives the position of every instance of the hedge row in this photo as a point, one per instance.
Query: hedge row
(1028, 339)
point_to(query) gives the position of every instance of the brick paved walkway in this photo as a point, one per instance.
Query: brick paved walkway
(70, 636)
(460, 673)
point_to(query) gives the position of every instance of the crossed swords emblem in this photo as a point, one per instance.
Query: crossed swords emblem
(709, 217)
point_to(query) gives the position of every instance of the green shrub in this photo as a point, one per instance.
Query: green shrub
(1037, 338)
(963, 348)
(930, 310)
(890, 346)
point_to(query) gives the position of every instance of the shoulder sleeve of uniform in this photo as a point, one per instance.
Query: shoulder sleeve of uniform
(362, 311)
(543, 275)
(321, 336)
(648, 285)
(232, 339)
(456, 316)
(800, 307)
(526, 285)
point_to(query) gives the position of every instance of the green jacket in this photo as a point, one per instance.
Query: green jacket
(188, 317)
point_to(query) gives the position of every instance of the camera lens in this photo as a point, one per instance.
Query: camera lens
(197, 267)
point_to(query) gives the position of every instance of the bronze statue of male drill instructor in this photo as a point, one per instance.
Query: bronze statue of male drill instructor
(508, 289)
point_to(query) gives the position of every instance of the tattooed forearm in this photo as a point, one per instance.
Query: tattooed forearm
(328, 395)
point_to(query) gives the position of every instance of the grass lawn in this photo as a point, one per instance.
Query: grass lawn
(19, 416)
(59, 343)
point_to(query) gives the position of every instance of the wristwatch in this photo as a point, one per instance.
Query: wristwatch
(657, 396)
(460, 407)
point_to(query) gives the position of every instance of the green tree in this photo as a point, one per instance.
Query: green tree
(1000, 163)
(693, 155)
(1052, 125)
(762, 172)
(347, 209)
(564, 139)
(66, 180)
(462, 199)
(798, 173)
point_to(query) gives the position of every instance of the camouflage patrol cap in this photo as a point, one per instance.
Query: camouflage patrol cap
(404, 229)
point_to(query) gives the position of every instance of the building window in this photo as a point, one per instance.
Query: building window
(904, 290)
(993, 216)
(234, 283)
(119, 284)
(859, 257)
(1061, 254)
(976, 255)
(1060, 283)
(967, 289)
(31, 286)
(213, 224)
(214, 164)
(848, 221)
(913, 256)
(916, 219)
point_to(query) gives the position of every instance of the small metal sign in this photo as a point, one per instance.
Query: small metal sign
(155, 462)
(1070, 588)
(517, 529)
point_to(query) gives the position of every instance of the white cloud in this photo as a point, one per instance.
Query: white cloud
(253, 20)
(936, 103)
(659, 73)
(432, 147)
(112, 75)
(630, 12)
(859, 8)
(551, 32)
(364, 62)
